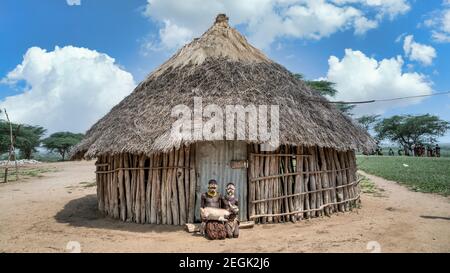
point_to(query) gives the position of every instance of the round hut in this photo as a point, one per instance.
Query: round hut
(145, 174)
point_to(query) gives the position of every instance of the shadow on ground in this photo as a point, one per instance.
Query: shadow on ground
(83, 212)
(435, 217)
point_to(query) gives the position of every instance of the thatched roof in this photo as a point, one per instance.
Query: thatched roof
(224, 69)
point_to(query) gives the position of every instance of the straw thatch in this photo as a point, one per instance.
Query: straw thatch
(224, 69)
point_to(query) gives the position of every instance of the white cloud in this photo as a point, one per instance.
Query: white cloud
(359, 78)
(391, 8)
(439, 22)
(266, 20)
(73, 2)
(446, 21)
(400, 37)
(418, 52)
(362, 25)
(174, 36)
(66, 89)
(440, 37)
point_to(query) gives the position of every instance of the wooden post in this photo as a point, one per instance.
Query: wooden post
(169, 189)
(137, 194)
(307, 187)
(268, 205)
(298, 186)
(262, 188)
(251, 185)
(148, 189)
(356, 189)
(121, 185)
(325, 180)
(340, 191)
(318, 181)
(174, 191)
(344, 179)
(180, 183)
(350, 177)
(291, 184)
(186, 181)
(276, 183)
(164, 189)
(108, 186)
(312, 180)
(115, 188)
(329, 153)
(133, 186)
(128, 195)
(142, 187)
(192, 183)
(12, 151)
(284, 169)
(99, 186)
(256, 184)
(154, 190)
(105, 183)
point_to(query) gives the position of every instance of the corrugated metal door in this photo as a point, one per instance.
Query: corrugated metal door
(213, 162)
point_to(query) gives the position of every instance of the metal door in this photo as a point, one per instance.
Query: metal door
(213, 161)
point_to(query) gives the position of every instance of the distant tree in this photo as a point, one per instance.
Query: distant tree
(62, 142)
(5, 139)
(408, 130)
(26, 138)
(368, 121)
(326, 88)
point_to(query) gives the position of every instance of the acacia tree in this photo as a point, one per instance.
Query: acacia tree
(408, 130)
(5, 140)
(326, 88)
(368, 121)
(62, 142)
(26, 138)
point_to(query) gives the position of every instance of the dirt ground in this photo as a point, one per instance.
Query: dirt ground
(43, 214)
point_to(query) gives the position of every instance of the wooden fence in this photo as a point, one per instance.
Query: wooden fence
(159, 189)
(294, 183)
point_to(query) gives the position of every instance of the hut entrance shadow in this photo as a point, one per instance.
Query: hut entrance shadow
(83, 212)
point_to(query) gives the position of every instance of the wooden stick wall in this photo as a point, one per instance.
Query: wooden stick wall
(289, 184)
(159, 189)
(294, 183)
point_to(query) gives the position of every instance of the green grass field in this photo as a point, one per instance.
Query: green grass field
(420, 174)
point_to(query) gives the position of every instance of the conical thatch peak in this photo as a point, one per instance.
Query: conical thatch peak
(219, 41)
(223, 69)
(222, 19)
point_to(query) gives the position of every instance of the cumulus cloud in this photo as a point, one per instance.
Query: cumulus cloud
(266, 20)
(68, 88)
(359, 77)
(73, 2)
(418, 52)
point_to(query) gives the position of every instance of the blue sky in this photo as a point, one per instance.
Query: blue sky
(392, 49)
